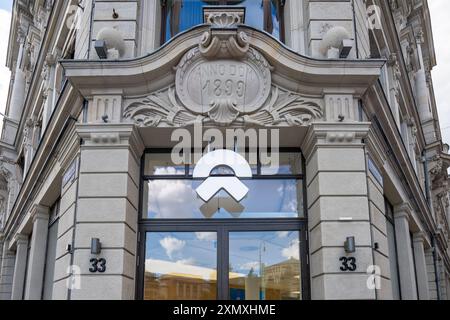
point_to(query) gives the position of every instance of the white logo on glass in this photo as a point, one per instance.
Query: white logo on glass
(231, 184)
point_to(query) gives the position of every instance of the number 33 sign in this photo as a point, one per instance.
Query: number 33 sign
(348, 264)
(97, 265)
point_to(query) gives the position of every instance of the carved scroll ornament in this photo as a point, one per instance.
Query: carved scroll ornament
(223, 82)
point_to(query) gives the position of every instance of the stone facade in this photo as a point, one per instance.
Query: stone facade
(350, 87)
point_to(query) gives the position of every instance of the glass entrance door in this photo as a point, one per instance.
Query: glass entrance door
(264, 265)
(222, 249)
(223, 261)
(180, 266)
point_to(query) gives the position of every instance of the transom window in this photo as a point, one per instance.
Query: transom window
(180, 15)
(274, 192)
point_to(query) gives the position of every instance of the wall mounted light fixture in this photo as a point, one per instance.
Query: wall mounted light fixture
(96, 246)
(100, 48)
(349, 245)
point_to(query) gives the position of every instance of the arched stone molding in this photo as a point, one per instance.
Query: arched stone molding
(165, 88)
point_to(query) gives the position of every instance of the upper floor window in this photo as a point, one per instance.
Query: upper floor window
(180, 15)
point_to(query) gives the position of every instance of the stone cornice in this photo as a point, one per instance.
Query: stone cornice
(98, 136)
(68, 105)
(39, 212)
(380, 114)
(329, 134)
(147, 74)
(403, 210)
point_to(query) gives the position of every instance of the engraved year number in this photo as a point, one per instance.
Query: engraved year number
(224, 87)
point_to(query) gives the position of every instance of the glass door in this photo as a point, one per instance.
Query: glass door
(223, 261)
(180, 266)
(222, 249)
(264, 265)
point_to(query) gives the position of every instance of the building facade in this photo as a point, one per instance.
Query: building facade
(94, 206)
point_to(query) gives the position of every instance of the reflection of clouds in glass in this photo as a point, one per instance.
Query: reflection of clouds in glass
(188, 261)
(293, 251)
(288, 195)
(290, 206)
(172, 245)
(249, 266)
(206, 236)
(282, 234)
(171, 199)
(168, 171)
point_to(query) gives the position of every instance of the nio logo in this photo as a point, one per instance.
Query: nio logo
(231, 184)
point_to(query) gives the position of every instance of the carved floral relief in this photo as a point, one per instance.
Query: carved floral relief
(223, 81)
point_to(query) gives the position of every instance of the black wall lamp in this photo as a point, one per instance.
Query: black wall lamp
(96, 246)
(349, 245)
(100, 48)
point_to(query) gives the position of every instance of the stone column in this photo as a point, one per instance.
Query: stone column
(18, 92)
(404, 252)
(35, 273)
(423, 94)
(107, 202)
(421, 266)
(338, 207)
(49, 88)
(20, 267)
(6, 272)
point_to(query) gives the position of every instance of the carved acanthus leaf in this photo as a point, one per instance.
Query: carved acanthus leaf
(283, 108)
(286, 108)
(159, 109)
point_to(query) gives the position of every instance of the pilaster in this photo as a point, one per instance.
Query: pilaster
(421, 266)
(20, 267)
(107, 203)
(402, 214)
(36, 263)
(6, 272)
(337, 209)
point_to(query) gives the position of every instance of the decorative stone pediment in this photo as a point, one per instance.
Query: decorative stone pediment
(223, 81)
(223, 76)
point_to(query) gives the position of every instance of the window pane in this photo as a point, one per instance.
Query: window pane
(289, 164)
(181, 266)
(265, 266)
(254, 16)
(177, 199)
(161, 164)
(182, 15)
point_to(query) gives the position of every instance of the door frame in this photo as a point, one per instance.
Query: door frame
(223, 227)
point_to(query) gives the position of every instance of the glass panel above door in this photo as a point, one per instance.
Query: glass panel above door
(180, 266)
(264, 265)
(267, 198)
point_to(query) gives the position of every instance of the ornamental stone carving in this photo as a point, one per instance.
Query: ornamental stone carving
(224, 17)
(223, 81)
(282, 108)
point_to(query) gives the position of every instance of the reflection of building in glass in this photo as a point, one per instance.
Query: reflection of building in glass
(280, 281)
(178, 287)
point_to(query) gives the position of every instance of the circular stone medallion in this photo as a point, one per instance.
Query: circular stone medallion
(200, 83)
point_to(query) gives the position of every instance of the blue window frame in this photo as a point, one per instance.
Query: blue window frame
(180, 15)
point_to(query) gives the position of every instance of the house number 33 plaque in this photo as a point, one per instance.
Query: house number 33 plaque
(97, 265)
